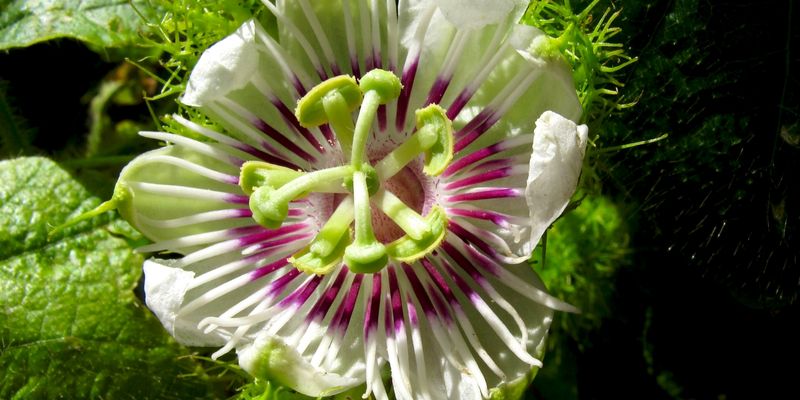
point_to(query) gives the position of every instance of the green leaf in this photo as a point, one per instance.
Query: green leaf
(100, 23)
(70, 324)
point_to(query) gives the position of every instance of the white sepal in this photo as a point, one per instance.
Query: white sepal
(226, 66)
(558, 149)
(165, 288)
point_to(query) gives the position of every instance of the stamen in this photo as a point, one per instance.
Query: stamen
(407, 219)
(333, 102)
(434, 138)
(365, 254)
(333, 230)
(271, 206)
(407, 249)
(339, 118)
(255, 174)
(379, 87)
(311, 263)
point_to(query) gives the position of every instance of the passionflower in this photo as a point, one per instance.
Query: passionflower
(385, 171)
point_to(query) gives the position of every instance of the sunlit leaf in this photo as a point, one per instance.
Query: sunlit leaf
(70, 324)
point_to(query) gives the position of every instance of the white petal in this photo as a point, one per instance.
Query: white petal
(558, 148)
(472, 14)
(165, 288)
(512, 92)
(269, 356)
(497, 124)
(341, 38)
(496, 277)
(226, 66)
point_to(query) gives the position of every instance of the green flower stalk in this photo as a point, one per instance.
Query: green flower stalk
(386, 171)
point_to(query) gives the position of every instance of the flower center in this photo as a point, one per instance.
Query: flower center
(385, 194)
(407, 187)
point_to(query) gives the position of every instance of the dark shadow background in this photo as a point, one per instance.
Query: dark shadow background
(709, 309)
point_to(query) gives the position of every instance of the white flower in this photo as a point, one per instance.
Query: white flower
(364, 231)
